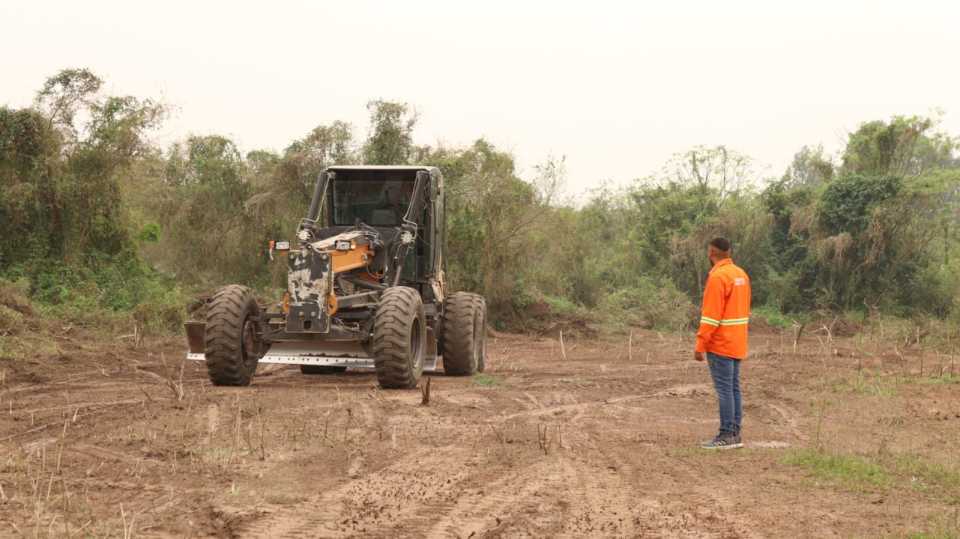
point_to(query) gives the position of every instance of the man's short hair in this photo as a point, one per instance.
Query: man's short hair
(721, 244)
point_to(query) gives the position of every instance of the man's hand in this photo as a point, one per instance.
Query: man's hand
(699, 356)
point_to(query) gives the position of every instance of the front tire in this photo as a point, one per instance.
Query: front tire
(399, 338)
(231, 339)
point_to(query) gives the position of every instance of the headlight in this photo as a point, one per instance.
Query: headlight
(304, 234)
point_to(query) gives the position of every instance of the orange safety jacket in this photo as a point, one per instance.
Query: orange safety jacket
(726, 311)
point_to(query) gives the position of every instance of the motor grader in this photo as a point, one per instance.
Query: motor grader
(365, 289)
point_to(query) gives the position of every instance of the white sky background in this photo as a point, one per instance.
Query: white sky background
(616, 87)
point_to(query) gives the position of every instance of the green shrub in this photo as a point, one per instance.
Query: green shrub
(772, 316)
(649, 304)
(562, 306)
(150, 233)
(163, 310)
(99, 291)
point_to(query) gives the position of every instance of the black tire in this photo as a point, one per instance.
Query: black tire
(463, 343)
(399, 338)
(231, 339)
(481, 333)
(321, 369)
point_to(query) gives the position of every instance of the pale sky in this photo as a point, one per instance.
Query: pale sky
(616, 87)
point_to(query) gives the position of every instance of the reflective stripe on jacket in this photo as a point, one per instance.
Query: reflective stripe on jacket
(725, 316)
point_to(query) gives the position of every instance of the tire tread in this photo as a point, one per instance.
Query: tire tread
(398, 308)
(228, 310)
(457, 341)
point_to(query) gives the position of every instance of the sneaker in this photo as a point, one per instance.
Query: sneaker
(723, 441)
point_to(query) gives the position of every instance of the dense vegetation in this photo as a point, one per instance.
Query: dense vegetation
(94, 218)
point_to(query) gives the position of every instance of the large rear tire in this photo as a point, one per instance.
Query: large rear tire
(399, 338)
(231, 342)
(463, 342)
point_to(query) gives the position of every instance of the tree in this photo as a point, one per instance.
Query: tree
(491, 213)
(720, 170)
(74, 171)
(65, 93)
(303, 160)
(904, 146)
(31, 206)
(63, 163)
(210, 234)
(391, 133)
(810, 168)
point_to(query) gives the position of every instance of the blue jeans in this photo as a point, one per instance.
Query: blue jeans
(725, 372)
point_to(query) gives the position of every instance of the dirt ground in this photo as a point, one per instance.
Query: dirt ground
(844, 439)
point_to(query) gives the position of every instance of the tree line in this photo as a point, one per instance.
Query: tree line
(95, 216)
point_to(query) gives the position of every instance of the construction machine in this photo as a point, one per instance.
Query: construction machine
(365, 289)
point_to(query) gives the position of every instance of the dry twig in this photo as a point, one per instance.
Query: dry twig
(796, 336)
(543, 438)
(425, 391)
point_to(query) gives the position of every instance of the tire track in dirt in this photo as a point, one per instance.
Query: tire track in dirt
(536, 403)
(642, 500)
(789, 417)
(103, 453)
(377, 500)
(578, 407)
(558, 495)
(605, 497)
(489, 506)
(600, 502)
(36, 391)
(362, 418)
(549, 410)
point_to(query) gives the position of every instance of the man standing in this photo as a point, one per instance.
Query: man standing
(722, 338)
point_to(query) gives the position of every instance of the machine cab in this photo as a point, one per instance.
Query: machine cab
(392, 200)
